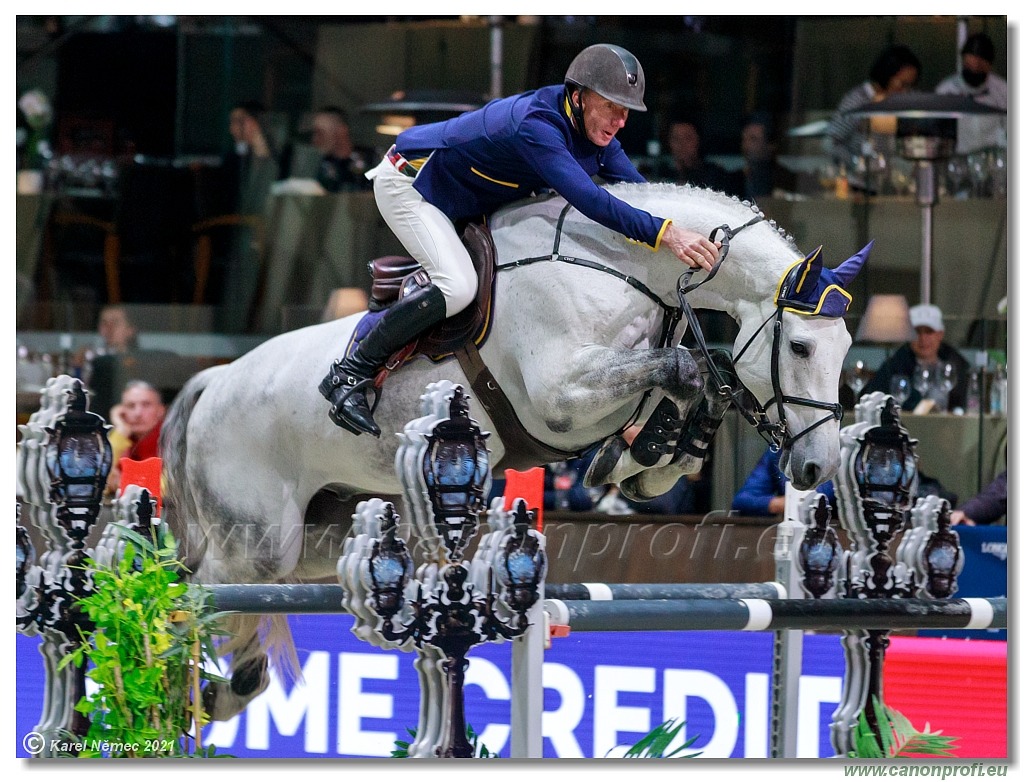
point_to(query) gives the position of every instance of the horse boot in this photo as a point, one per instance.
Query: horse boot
(345, 386)
(703, 421)
(659, 435)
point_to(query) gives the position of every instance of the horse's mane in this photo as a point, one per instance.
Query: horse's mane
(641, 194)
(744, 209)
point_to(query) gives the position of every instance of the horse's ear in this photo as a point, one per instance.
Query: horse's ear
(849, 268)
(807, 278)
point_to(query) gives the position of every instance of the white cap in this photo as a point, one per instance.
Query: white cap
(927, 315)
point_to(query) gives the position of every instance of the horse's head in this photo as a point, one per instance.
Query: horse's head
(790, 354)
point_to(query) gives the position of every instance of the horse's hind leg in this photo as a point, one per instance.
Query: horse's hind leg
(249, 673)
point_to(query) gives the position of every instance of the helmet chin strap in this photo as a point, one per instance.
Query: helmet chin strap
(576, 111)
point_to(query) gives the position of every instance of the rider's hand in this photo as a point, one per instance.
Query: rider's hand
(692, 248)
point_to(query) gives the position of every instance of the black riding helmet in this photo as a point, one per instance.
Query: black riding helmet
(611, 72)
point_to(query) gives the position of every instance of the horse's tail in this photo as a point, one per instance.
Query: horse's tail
(179, 503)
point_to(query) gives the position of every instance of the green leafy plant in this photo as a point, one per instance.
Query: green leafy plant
(401, 749)
(151, 634)
(897, 737)
(654, 744)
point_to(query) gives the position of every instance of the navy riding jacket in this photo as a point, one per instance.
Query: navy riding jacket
(515, 146)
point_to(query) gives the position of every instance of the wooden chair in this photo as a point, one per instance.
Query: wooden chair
(202, 238)
(60, 220)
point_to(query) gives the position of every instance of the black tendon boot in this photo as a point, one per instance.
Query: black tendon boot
(703, 421)
(345, 386)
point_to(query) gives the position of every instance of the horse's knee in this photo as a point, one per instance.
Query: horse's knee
(688, 381)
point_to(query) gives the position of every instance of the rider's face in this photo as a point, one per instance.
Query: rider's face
(602, 119)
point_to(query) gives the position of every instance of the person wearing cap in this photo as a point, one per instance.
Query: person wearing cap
(977, 80)
(437, 175)
(927, 348)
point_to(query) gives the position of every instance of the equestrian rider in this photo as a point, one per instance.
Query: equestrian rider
(555, 138)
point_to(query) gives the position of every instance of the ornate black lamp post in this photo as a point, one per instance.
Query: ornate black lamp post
(451, 605)
(875, 490)
(64, 460)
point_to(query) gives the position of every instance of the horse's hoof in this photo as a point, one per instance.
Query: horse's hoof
(604, 461)
(631, 490)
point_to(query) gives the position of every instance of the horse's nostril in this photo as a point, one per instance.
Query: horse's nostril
(812, 474)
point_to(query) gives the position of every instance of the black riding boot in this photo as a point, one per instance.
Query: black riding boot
(346, 384)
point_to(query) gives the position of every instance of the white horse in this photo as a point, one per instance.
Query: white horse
(264, 483)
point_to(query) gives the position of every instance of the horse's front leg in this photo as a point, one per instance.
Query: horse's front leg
(695, 438)
(597, 383)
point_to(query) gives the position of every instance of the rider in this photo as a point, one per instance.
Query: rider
(556, 137)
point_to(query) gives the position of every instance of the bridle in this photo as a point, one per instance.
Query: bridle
(775, 433)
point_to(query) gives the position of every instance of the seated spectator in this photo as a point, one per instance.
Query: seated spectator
(976, 79)
(137, 421)
(342, 166)
(761, 173)
(927, 349)
(687, 164)
(987, 507)
(764, 491)
(117, 332)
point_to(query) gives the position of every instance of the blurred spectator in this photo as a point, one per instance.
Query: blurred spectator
(764, 491)
(761, 173)
(977, 80)
(895, 70)
(926, 350)
(250, 170)
(987, 507)
(251, 166)
(118, 357)
(117, 332)
(687, 164)
(137, 420)
(342, 166)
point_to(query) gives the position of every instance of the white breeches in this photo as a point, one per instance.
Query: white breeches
(427, 234)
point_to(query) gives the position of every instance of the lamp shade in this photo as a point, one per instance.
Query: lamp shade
(887, 319)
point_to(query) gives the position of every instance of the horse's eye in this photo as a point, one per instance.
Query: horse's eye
(800, 349)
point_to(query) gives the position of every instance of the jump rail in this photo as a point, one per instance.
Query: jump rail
(797, 614)
(647, 610)
(329, 598)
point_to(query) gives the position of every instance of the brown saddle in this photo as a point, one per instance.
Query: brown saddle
(394, 275)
